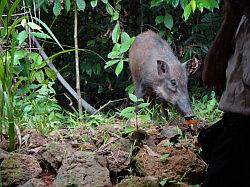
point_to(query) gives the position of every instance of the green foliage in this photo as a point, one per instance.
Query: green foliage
(130, 113)
(39, 110)
(119, 49)
(164, 157)
(207, 107)
(188, 6)
(25, 81)
(7, 89)
(96, 120)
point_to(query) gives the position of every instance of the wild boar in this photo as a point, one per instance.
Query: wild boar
(155, 69)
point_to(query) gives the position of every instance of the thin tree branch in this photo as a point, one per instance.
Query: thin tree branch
(108, 103)
(78, 88)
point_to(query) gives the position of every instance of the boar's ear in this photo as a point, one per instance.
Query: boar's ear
(188, 66)
(162, 67)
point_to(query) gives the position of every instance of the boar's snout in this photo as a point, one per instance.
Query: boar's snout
(184, 107)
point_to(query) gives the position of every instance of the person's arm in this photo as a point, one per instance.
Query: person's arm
(218, 55)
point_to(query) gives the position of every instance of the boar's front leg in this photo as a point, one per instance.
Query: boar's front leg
(139, 93)
(164, 111)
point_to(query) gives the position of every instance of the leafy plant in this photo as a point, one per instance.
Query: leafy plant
(39, 110)
(119, 49)
(164, 157)
(132, 113)
(207, 107)
(7, 88)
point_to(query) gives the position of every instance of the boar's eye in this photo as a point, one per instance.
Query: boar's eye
(173, 82)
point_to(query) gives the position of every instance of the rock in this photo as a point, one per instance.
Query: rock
(118, 161)
(134, 181)
(32, 138)
(59, 134)
(80, 169)
(101, 160)
(147, 165)
(117, 152)
(170, 132)
(175, 164)
(33, 183)
(54, 153)
(3, 155)
(79, 138)
(3, 142)
(184, 165)
(18, 168)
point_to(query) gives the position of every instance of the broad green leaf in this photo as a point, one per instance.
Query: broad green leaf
(126, 42)
(96, 68)
(18, 69)
(187, 11)
(57, 7)
(38, 61)
(132, 97)
(183, 3)
(105, 1)
(163, 182)
(116, 33)
(144, 117)
(67, 5)
(115, 16)
(119, 68)
(22, 36)
(40, 35)
(200, 6)
(143, 105)
(93, 3)
(175, 3)
(213, 4)
(50, 73)
(109, 9)
(19, 55)
(168, 21)
(193, 5)
(27, 108)
(129, 129)
(164, 157)
(113, 54)
(89, 70)
(130, 88)
(155, 3)
(159, 19)
(110, 63)
(127, 112)
(34, 26)
(39, 75)
(81, 4)
(116, 47)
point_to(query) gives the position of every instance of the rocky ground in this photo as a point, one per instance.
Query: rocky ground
(157, 155)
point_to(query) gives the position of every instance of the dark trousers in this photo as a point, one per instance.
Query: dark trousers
(229, 153)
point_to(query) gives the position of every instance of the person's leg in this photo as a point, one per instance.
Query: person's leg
(230, 161)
